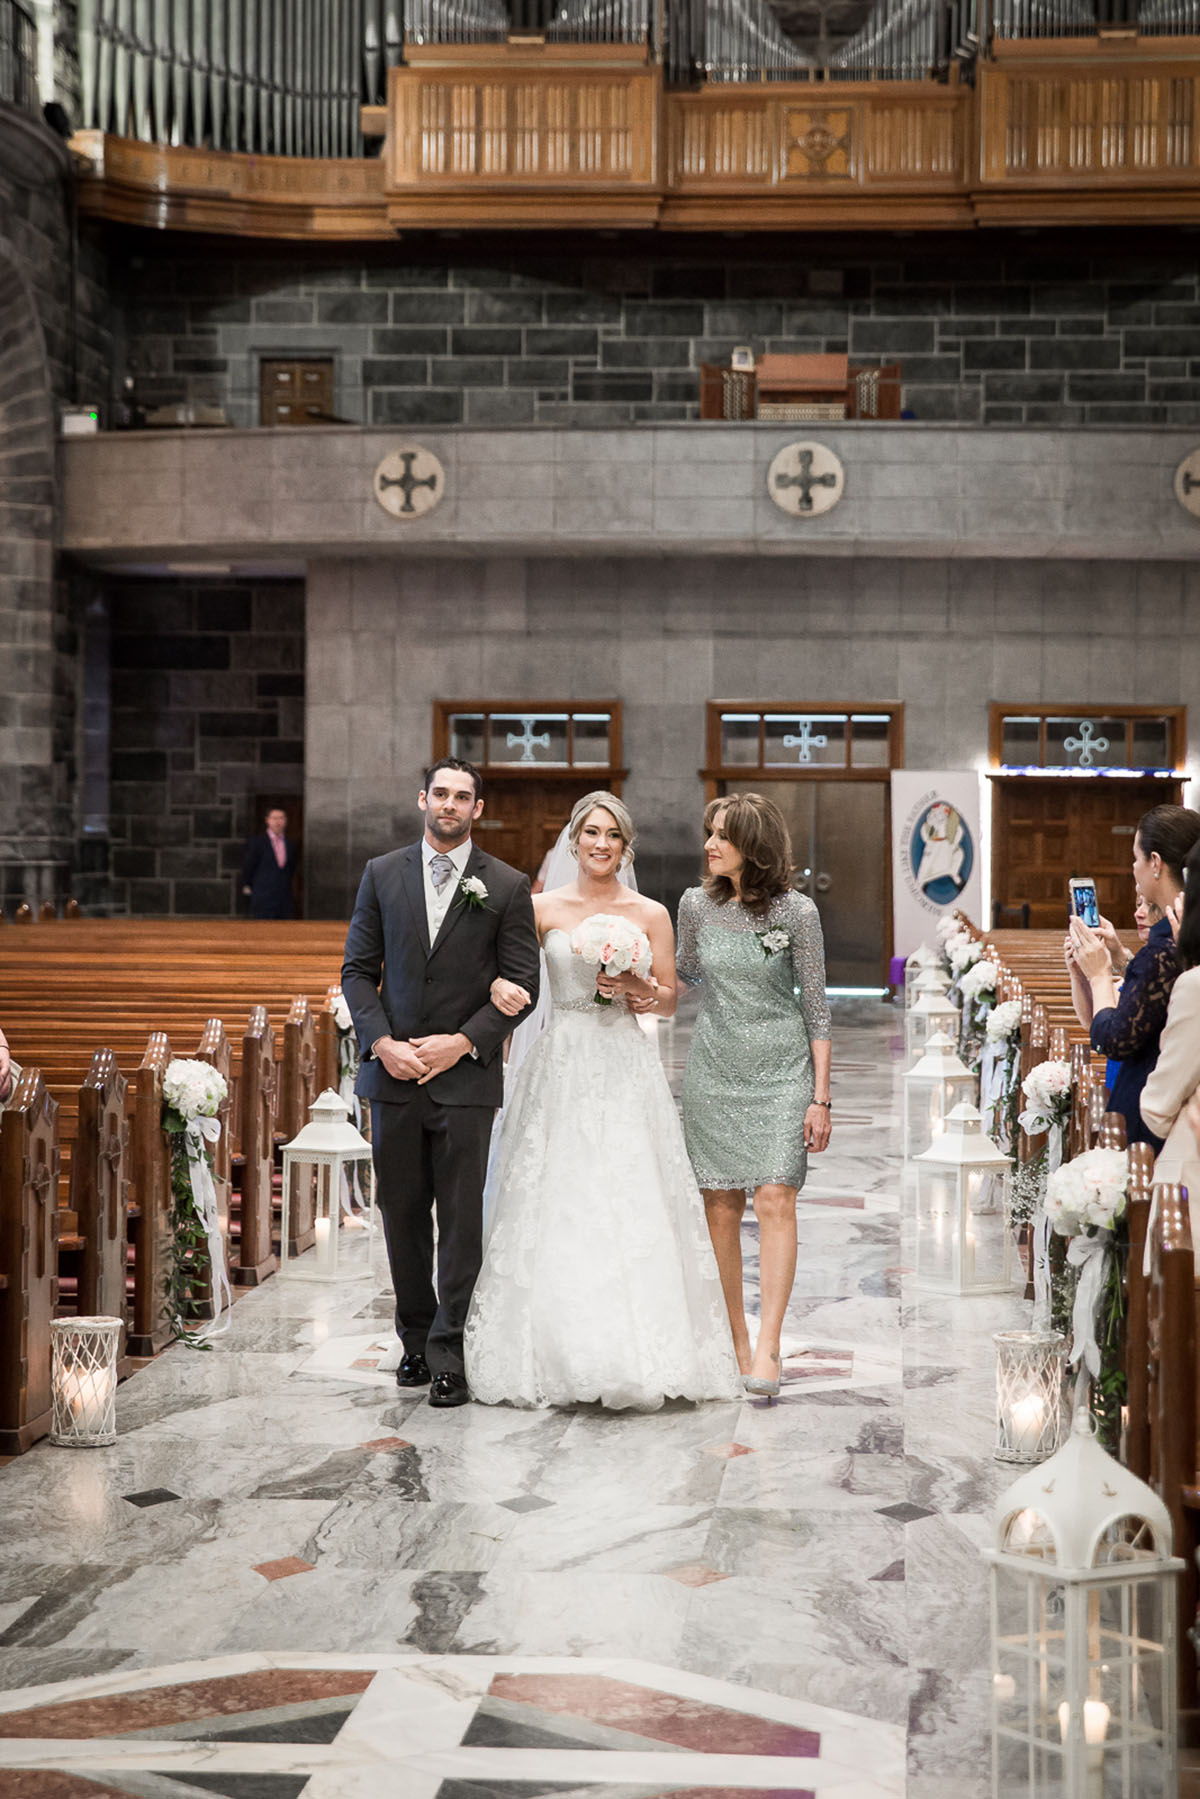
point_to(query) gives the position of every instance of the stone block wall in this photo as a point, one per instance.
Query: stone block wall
(207, 725)
(993, 329)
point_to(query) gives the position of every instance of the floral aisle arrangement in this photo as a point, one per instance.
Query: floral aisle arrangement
(614, 945)
(354, 1179)
(193, 1094)
(999, 1087)
(1047, 1093)
(1086, 1204)
(977, 988)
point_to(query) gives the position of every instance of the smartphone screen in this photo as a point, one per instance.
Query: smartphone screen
(1083, 903)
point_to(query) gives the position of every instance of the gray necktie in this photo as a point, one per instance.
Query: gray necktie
(440, 871)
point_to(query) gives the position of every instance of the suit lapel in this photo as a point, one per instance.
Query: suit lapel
(458, 904)
(412, 880)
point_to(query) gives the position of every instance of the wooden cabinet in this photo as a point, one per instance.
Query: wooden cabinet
(296, 393)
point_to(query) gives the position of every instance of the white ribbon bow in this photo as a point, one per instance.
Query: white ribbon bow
(197, 1133)
(1090, 1256)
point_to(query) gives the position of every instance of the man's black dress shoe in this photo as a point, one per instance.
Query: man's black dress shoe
(449, 1389)
(413, 1372)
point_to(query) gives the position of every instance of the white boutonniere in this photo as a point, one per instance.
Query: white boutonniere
(473, 892)
(773, 942)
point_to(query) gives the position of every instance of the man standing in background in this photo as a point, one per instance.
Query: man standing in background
(268, 867)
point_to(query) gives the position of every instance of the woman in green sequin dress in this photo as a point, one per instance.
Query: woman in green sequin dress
(756, 1085)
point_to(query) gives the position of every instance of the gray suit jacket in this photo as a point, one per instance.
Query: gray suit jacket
(398, 984)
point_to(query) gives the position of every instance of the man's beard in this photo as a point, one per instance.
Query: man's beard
(450, 832)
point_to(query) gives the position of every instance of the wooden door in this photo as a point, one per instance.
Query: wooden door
(1044, 832)
(296, 393)
(522, 816)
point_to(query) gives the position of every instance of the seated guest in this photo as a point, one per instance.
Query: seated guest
(268, 867)
(1176, 1074)
(1128, 1028)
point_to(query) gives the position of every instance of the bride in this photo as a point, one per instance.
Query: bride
(598, 1279)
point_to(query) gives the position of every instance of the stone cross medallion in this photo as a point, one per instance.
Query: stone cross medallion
(409, 481)
(806, 479)
(1187, 483)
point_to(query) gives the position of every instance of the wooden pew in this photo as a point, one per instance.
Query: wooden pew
(151, 1326)
(255, 1258)
(99, 1190)
(28, 1176)
(1137, 1354)
(1171, 1337)
(297, 1090)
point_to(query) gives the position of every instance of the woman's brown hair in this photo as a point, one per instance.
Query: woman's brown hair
(755, 827)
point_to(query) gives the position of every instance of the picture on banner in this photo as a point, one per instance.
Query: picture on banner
(935, 850)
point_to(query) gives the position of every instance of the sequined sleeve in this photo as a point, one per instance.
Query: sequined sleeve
(1137, 1019)
(808, 960)
(687, 945)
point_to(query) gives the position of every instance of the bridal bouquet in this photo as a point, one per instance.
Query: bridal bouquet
(1085, 1202)
(193, 1094)
(613, 945)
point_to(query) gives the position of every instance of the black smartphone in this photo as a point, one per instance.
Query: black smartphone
(1082, 890)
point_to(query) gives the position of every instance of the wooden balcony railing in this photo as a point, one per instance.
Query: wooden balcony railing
(1074, 130)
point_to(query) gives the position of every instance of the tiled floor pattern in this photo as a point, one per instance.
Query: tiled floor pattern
(377, 1599)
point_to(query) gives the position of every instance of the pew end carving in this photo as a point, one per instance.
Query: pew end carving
(297, 1091)
(100, 1194)
(28, 1231)
(153, 1241)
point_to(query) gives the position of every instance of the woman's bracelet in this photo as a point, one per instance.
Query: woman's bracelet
(827, 1103)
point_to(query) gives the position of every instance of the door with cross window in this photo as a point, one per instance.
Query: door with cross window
(537, 758)
(827, 769)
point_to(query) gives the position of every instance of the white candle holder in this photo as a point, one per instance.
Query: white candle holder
(922, 958)
(83, 1379)
(963, 1242)
(933, 1086)
(1029, 1369)
(323, 1151)
(929, 1013)
(1083, 1626)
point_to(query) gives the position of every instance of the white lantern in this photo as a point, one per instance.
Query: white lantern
(922, 958)
(1029, 1367)
(326, 1145)
(83, 1380)
(963, 1243)
(933, 1086)
(1084, 1653)
(929, 1013)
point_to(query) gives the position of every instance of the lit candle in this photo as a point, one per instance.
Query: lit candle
(1026, 1422)
(86, 1397)
(1095, 1730)
(325, 1244)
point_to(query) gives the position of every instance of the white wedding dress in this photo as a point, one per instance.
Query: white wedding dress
(598, 1279)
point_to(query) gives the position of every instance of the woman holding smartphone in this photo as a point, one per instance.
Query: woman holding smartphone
(1128, 1027)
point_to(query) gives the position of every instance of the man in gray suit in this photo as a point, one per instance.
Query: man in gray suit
(433, 926)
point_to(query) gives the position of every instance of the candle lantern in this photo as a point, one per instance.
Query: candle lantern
(1084, 1652)
(83, 1379)
(930, 1011)
(933, 1086)
(922, 958)
(322, 1152)
(963, 1243)
(1029, 1367)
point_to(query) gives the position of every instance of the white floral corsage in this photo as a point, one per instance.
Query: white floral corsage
(474, 892)
(773, 942)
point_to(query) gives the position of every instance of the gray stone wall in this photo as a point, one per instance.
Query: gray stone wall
(207, 717)
(386, 638)
(996, 329)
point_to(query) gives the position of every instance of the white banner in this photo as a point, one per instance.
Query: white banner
(936, 847)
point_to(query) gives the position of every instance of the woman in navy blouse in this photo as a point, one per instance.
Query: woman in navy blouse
(1127, 1029)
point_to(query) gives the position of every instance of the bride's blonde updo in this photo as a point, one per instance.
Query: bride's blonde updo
(617, 810)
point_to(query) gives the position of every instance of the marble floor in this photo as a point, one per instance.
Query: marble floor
(287, 1577)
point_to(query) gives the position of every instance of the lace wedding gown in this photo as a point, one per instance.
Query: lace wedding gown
(598, 1279)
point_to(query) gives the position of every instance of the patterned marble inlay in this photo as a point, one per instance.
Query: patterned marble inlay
(811, 1561)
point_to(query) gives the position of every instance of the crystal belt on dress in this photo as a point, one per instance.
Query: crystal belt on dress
(573, 1005)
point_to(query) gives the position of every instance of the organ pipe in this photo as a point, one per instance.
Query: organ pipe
(743, 41)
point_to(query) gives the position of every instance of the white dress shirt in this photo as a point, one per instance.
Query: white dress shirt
(438, 904)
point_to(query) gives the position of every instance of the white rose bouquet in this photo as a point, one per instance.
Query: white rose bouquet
(1089, 1193)
(978, 982)
(1047, 1090)
(963, 953)
(1004, 1022)
(614, 945)
(947, 926)
(193, 1094)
